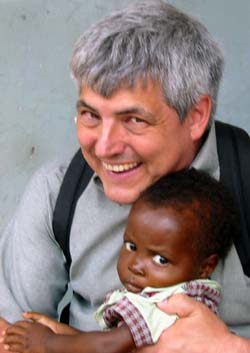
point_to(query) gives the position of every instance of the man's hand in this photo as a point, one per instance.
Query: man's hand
(197, 330)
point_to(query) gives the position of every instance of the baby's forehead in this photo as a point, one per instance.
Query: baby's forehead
(188, 216)
(164, 228)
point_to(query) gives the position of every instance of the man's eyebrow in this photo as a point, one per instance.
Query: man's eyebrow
(136, 111)
(132, 110)
(82, 104)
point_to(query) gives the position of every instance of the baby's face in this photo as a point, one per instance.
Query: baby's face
(157, 249)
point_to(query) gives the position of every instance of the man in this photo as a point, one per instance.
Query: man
(148, 80)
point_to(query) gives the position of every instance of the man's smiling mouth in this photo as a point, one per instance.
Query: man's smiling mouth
(119, 168)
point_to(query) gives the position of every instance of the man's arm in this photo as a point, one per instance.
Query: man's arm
(32, 271)
(197, 330)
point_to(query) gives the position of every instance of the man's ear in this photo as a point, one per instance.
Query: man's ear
(208, 266)
(199, 116)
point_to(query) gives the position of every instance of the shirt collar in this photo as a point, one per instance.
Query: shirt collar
(207, 158)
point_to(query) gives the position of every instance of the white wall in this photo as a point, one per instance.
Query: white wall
(37, 96)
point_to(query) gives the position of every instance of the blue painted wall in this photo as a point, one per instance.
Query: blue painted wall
(38, 97)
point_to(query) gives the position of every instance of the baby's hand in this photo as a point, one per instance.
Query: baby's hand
(3, 326)
(42, 319)
(55, 326)
(26, 337)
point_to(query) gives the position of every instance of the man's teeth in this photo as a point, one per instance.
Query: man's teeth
(119, 167)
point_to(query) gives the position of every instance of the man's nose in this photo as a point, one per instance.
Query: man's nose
(110, 140)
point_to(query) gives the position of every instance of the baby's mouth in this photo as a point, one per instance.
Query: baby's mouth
(132, 287)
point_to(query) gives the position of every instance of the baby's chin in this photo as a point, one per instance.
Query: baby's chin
(131, 287)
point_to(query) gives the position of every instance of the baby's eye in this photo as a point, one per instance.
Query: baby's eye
(160, 260)
(130, 246)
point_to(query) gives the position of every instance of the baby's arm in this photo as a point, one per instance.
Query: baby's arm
(33, 337)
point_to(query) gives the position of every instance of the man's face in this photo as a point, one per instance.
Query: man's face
(131, 139)
(158, 248)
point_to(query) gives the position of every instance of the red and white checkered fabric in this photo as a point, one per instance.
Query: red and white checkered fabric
(125, 310)
(204, 294)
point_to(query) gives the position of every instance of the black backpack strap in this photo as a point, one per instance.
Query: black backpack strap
(75, 181)
(233, 146)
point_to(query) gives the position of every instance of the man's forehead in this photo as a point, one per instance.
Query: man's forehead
(138, 97)
(141, 84)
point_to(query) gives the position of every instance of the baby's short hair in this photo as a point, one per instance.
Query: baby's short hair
(195, 193)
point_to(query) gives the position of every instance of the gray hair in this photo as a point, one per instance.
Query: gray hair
(150, 40)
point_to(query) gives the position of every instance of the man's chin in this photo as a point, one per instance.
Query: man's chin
(121, 197)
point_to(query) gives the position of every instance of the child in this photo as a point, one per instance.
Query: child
(176, 232)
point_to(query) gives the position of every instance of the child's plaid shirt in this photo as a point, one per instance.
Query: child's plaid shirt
(141, 314)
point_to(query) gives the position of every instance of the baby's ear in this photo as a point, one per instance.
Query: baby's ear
(208, 266)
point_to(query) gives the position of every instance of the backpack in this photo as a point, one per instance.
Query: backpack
(233, 145)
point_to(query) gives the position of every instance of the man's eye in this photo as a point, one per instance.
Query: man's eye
(130, 246)
(160, 260)
(88, 118)
(136, 120)
(136, 125)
